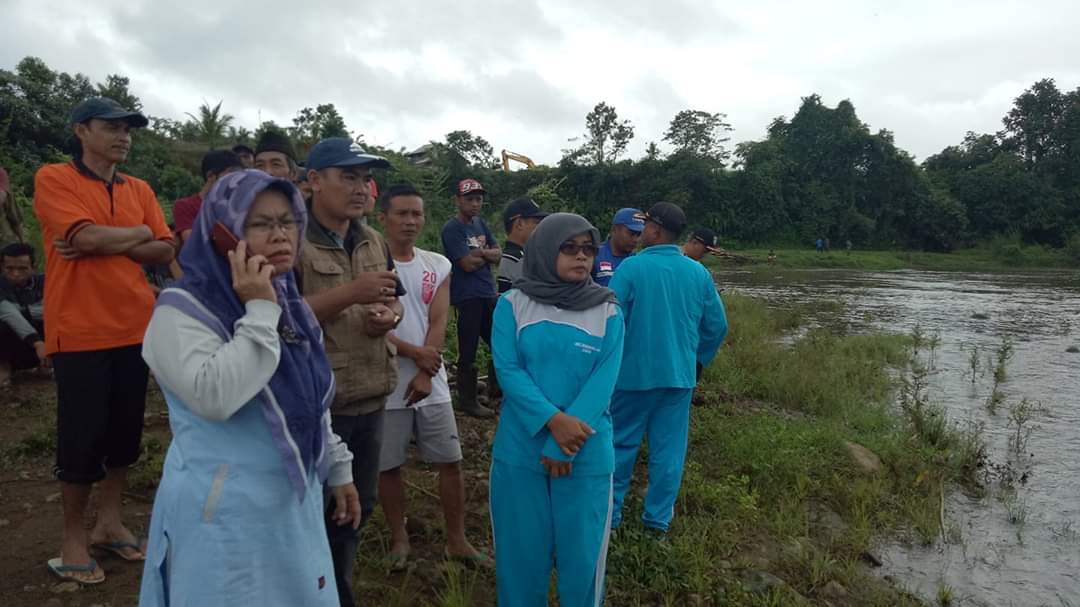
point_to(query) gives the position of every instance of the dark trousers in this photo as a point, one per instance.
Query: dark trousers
(474, 322)
(363, 435)
(16, 352)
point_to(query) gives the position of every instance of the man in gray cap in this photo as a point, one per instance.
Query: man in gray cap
(347, 278)
(98, 227)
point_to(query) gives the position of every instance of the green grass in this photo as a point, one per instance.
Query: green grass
(996, 256)
(767, 454)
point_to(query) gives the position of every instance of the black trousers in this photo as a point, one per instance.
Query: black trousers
(363, 435)
(474, 323)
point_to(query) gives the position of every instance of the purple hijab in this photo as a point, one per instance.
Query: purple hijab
(302, 388)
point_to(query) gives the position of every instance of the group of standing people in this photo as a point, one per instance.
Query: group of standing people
(299, 351)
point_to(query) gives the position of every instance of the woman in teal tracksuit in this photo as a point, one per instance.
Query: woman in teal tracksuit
(557, 341)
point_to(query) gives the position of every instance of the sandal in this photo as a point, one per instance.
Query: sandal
(65, 572)
(120, 549)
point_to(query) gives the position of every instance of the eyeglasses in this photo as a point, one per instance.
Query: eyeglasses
(573, 249)
(265, 228)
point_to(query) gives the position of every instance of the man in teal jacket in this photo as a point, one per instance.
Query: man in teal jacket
(674, 320)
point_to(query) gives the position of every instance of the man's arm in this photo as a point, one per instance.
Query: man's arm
(367, 288)
(155, 252)
(92, 239)
(492, 255)
(473, 261)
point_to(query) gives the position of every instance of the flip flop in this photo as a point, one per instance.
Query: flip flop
(476, 560)
(64, 572)
(118, 549)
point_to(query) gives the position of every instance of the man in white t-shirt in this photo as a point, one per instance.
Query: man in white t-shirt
(420, 407)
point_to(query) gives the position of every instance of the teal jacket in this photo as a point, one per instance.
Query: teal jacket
(550, 360)
(674, 318)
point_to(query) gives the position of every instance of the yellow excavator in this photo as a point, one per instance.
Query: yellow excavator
(508, 156)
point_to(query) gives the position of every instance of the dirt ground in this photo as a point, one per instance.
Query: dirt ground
(30, 515)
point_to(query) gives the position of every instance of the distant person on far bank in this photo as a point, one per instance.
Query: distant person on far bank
(674, 321)
(469, 244)
(819, 245)
(99, 227)
(702, 241)
(626, 229)
(520, 218)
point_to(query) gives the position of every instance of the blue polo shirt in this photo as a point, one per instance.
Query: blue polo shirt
(458, 239)
(606, 263)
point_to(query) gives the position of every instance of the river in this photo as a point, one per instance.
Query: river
(1009, 547)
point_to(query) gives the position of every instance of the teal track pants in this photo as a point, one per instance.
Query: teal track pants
(535, 519)
(662, 415)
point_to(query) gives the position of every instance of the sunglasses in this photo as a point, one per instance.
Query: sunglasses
(573, 249)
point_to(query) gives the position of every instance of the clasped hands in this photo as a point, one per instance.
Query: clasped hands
(570, 433)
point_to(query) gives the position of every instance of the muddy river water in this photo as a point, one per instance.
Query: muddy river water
(1018, 546)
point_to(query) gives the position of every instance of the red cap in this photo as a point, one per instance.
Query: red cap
(469, 186)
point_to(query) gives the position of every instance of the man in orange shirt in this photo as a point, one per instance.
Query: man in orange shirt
(98, 228)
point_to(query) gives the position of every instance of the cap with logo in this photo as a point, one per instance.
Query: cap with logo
(341, 152)
(704, 235)
(105, 108)
(667, 216)
(469, 186)
(522, 208)
(633, 219)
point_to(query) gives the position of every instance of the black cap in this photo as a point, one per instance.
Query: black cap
(522, 208)
(705, 236)
(667, 216)
(273, 141)
(342, 152)
(106, 109)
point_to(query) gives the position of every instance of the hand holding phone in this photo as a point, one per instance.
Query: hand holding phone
(224, 240)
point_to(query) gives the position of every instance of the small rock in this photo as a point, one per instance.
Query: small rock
(834, 590)
(4, 522)
(52, 497)
(980, 316)
(28, 588)
(24, 475)
(695, 600)
(63, 587)
(724, 564)
(1073, 349)
(54, 602)
(760, 582)
(873, 560)
(865, 458)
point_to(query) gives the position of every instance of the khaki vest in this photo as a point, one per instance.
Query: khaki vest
(365, 368)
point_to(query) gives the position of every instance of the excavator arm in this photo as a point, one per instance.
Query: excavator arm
(508, 156)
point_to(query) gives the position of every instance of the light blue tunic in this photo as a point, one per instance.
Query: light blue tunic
(228, 529)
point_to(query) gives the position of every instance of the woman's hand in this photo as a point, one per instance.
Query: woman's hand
(251, 277)
(347, 505)
(555, 468)
(569, 432)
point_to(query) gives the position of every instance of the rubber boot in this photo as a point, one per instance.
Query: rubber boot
(466, 388)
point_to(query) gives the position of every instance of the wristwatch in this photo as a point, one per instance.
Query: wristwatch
(397, 319)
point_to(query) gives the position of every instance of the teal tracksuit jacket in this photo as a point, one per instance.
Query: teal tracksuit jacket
(674, 319)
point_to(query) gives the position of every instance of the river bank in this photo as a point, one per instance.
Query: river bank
(798, 467)
(993, 257)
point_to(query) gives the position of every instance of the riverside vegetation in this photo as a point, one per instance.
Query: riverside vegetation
(775, 510)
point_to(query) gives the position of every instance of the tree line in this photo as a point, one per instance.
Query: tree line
(822, 173)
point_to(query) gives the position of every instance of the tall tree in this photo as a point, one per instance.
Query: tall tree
(212, 124)
(1032, 126)
(699, 133)
(118, 87)
(473, 148)
(311, 125)
(606, 136)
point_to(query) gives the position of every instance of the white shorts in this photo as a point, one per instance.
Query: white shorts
(434, 428)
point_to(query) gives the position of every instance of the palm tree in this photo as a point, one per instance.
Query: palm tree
(211, 123)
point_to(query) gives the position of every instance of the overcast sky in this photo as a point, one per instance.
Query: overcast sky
(523, 74)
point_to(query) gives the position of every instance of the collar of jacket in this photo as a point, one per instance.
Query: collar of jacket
(322, 237)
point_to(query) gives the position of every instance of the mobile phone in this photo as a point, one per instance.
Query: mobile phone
(224, 240)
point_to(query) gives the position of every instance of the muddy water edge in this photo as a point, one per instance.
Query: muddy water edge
(1000, 352)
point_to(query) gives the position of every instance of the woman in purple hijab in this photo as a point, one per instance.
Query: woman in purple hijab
(238, 517)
